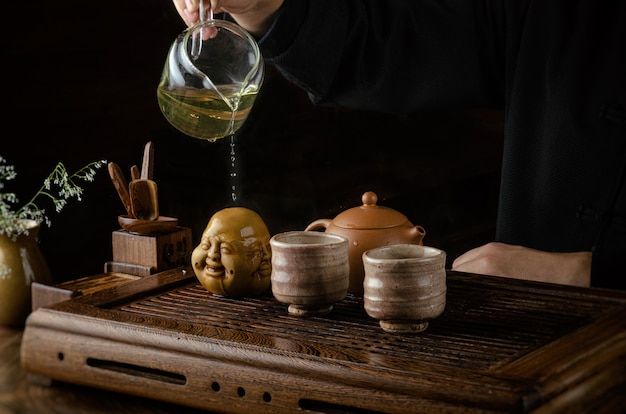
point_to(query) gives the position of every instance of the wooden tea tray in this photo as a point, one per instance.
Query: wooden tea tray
(500, 346)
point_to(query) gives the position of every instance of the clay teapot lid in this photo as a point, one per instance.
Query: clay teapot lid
(369, 215)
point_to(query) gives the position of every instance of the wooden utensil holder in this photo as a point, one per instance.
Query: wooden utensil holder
(146, 254)
(134, 256)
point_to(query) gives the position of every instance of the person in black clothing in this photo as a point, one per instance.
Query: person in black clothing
(557, 67)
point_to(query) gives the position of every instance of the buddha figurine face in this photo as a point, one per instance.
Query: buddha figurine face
(234, 254)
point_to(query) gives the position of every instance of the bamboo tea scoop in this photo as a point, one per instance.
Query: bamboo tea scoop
(135, 174)
(143, 194)
(143, 191)
(121, 185)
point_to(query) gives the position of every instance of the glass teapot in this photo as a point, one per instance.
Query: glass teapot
(211, 78)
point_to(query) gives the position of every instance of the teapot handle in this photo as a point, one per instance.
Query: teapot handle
(318, 225)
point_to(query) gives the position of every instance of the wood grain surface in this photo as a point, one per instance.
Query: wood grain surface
(500, 346)
(20, 395)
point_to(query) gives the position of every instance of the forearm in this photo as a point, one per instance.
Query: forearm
(518, 262)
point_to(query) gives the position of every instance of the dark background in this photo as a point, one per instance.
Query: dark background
(80, 85)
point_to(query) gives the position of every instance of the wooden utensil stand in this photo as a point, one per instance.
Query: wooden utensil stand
(149, 253)
(134, 256)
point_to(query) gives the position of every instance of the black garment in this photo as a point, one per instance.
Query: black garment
(557, 67)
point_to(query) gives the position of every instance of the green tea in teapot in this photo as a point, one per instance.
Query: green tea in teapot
(202, 113)
(210, 80)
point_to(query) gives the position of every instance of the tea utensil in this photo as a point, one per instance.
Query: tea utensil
(143, 194)
(143, 191)
(121, 185)
(147, 166)
(135, 174)
(211, 78)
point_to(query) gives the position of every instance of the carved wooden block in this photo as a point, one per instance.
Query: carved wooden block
(157, 252)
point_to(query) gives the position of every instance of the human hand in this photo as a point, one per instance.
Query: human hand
(499, 259)
(255, 16)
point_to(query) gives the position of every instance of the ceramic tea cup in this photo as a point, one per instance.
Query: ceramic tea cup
(310, 270)
(404, 286)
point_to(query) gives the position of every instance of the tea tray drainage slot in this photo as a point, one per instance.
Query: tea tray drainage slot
(138, 371)
(328, 408)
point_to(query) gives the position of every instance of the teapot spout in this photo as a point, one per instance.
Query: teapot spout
(318, 225)
(417, 234)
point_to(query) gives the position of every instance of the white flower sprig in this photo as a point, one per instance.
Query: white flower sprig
(59, 187)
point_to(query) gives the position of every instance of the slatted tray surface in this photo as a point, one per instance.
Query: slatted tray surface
(500, 345)
(486, 334)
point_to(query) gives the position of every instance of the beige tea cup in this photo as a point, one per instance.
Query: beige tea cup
(310, 270)
(404, 286)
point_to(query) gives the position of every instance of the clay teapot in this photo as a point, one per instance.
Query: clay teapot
(367, 227)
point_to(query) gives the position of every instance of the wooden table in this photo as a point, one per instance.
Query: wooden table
(500, 346)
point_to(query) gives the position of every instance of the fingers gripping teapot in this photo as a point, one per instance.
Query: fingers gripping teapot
(367, 227)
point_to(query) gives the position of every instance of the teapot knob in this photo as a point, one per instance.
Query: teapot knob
(369, 198)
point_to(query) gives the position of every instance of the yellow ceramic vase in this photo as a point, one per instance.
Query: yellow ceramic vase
(21, 264)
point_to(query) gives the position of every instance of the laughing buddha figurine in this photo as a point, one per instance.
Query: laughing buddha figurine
(234, 254)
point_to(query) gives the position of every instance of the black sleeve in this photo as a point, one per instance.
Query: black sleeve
(394, 55)
(605, 271)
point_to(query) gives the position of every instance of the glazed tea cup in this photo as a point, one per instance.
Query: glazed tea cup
(310, 270)
(404, 286)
